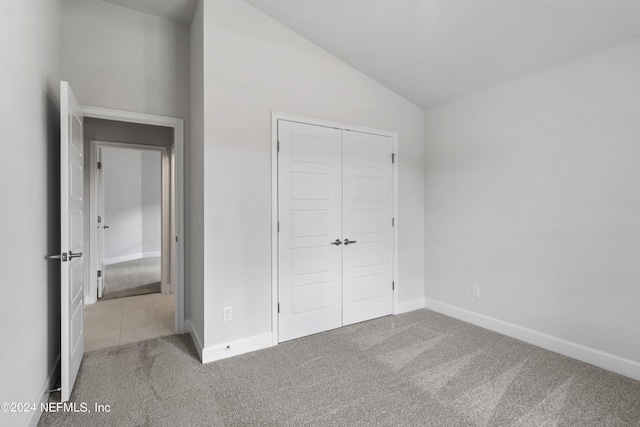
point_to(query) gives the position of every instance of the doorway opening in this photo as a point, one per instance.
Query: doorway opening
(133, 290)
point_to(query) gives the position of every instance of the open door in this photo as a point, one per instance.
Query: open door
(101, 225)
(72, 229)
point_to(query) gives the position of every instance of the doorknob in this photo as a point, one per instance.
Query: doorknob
(337, 242)
(347, 241)
(72, 255)
(105, 226)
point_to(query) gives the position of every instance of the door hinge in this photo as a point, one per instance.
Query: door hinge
(393, 222)
(278, 148)
(278, 308)
(176, 239)
(393, 286)
(393, 157)
(278, 226)
(99, 273)
(99, 165)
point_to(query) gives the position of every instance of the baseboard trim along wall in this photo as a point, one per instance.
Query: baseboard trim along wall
(411, 305)
(34, 417)
(188, 327)
(610, 362)
(235, 348)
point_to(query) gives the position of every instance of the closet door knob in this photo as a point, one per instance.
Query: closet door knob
(337, 242)
(347, 241)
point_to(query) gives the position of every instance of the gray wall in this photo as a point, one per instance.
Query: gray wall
(194, 173)
(30, 188)
(253, 66)
(120, 58)
(531, 192)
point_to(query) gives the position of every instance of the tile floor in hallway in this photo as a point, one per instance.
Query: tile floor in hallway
(125, 320)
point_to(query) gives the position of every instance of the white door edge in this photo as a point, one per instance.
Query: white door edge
(275, 117)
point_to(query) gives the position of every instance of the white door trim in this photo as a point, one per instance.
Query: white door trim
(275, 116)
(178, 139)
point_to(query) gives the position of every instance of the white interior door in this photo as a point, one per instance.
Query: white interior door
(101, 224)
(310, 222)
(367, 222)
(72, 228)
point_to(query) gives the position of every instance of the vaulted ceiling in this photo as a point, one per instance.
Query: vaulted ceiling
(175, 10)
(434, 51)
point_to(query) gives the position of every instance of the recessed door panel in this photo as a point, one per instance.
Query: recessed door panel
(367, 188)
(368, 287)
(311, 223)
(311, 260)
(368, 221)
(367, 254)
(307, 148)
(369, 155)
(311, 186)
(311, 297)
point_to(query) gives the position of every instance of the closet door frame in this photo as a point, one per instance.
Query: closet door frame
(275, 117)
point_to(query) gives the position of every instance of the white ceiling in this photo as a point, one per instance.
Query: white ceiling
(433, 51)
(175, 10)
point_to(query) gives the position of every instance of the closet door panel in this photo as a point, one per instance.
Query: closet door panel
(367, 216)
(310, 219)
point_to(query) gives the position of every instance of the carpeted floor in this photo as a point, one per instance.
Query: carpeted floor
(134, 277)
(416, 369)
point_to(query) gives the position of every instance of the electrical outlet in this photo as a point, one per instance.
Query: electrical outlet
(227, 314)
(476, 291)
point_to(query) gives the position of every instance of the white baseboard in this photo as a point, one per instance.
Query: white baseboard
(610, 362)
(130, 257)
(411, 305)
(235, 348)
(188, 327)
(43, 397)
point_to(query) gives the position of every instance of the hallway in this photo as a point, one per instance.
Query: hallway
(121, 321)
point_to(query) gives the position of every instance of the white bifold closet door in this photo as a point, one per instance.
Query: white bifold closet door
(335, 240)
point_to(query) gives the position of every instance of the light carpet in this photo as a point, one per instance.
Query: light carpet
(134, 277)
(416, 369)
